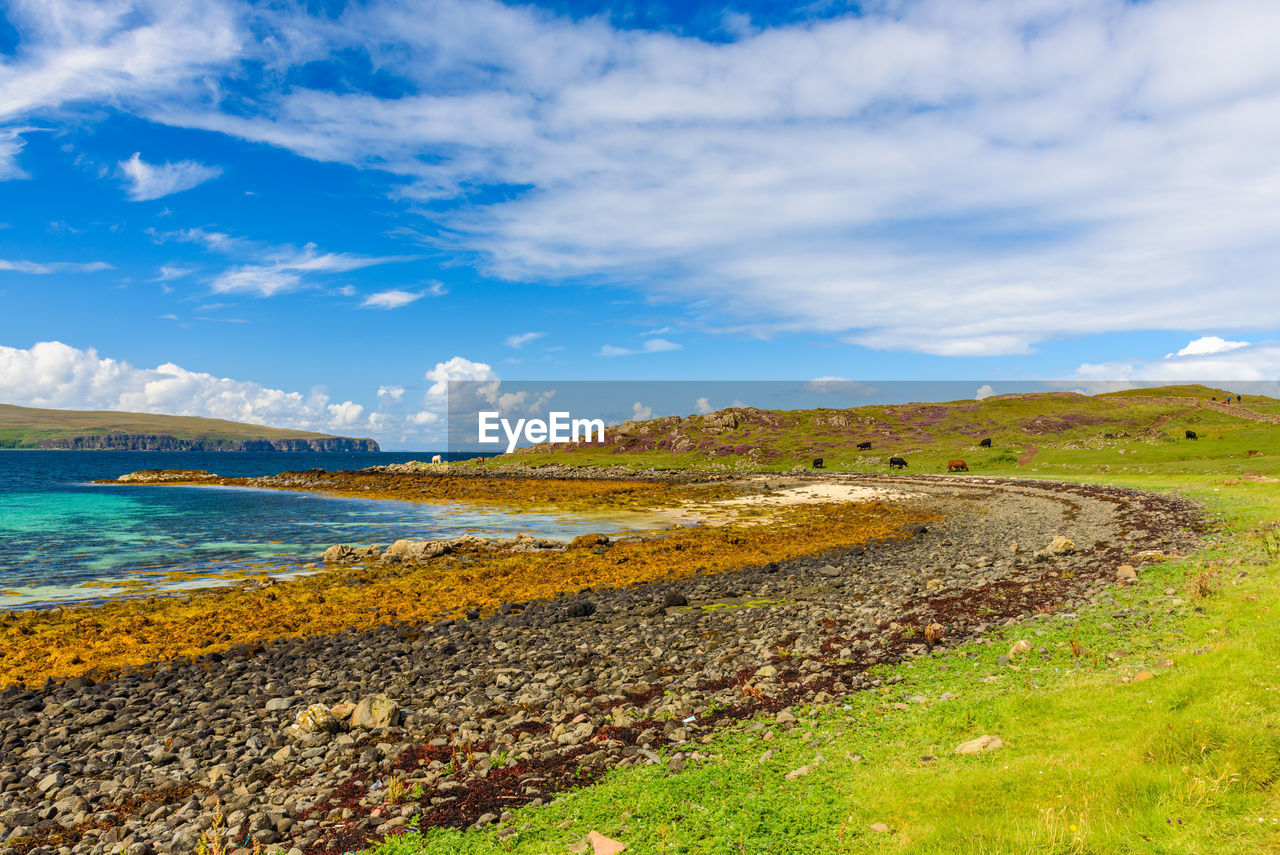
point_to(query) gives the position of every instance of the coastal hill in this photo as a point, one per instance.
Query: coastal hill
(1021, 428)
(79, 430)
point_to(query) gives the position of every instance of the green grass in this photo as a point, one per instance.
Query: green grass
(1186, 762)
(1033, 426)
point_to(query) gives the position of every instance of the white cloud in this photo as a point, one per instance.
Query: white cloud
(653, 345)
(984, 391)
(640, 412)
(152, 181)
(1206, 345)
(457, 368)
(11, 145)
(53, 266)
(345, 414)
(520, 340)
(951, 176)
(391, 299)
(1251, 363)
(53, 374)
(168, 274)
(958, 177)
(703, 406)
(288, 270)
(56, 375)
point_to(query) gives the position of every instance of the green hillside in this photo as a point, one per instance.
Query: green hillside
(28, 427)
(1026, 430)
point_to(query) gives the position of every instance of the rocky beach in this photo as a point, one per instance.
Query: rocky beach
(325, 742)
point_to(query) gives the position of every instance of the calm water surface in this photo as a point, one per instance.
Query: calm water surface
(64, 539)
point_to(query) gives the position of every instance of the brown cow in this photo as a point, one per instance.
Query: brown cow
(957, 466)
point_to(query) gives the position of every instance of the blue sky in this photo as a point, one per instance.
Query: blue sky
(312, 215)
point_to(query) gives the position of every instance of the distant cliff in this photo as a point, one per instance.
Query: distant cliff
(165, 442)
(81, 430)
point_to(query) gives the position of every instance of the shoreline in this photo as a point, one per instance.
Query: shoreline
(742, 643)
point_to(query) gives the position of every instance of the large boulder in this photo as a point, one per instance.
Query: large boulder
(339, 553)
(374, 712)
(315, 718)
(418, 550)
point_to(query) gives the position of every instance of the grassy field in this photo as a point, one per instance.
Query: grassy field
(25, 427)
(1051, 428)
(1149, 723)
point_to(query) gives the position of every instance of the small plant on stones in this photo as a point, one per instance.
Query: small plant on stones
(213, 839)
(397, 789)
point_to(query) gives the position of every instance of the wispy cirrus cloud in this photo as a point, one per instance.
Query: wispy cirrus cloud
(652, 345)
(148, 181)
(391, 299)
(42, 268)
(519, 340)
(274, 270)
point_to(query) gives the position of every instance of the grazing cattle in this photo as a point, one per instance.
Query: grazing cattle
(957, 466)
(864, 446)
(986, 443)
(817, 463)
(1192, 435)
(897, 463)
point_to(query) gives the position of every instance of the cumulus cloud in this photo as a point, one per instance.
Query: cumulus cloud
(1206, 345)
(520, 340)
(391, 299)
(458, 368)
(53, 266)
(152, 181)
(703, 406)
(56, 375)
(653, 345)
(640, 412)
(393, 393)
(1247, 363)
(984, 391)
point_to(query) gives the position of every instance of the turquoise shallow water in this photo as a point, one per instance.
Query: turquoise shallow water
(64, 539)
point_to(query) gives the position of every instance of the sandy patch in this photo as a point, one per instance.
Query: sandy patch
(754, 509)
(812, 494)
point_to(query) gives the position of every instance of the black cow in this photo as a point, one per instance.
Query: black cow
(817, 463)
(1192, 435)
(864, 445)
(897, 463)
(986, 443)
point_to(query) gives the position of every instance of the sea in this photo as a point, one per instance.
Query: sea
(65, 539)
